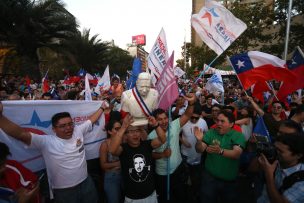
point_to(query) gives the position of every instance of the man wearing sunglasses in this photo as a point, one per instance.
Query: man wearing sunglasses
(188, 141)
(63, 153)
(273, 119)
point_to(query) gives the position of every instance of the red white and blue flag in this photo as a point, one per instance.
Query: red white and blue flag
(217, 26)
(45, 83)
(255, 66)
(295, 65)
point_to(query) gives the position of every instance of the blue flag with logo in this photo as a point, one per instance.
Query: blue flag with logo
(260, 129)
(135, 72)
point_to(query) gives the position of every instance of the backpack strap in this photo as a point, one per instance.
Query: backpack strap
(291, 179)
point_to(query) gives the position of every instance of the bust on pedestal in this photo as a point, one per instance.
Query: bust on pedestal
(140, 100)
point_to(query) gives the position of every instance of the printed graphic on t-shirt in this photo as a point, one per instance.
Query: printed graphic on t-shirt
(79, 143)
(140, 171)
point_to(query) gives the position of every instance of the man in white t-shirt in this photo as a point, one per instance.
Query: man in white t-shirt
(188, 141)
(63, 153)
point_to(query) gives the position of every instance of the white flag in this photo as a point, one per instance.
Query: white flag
(178, 72)
(104, 83)
(217, 26)
(87, 89)
(215, 83)
(158, 56)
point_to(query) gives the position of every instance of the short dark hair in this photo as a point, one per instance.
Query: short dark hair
(228, 115)
(209, 96)
(59, 116)
(295, 143)
(158, 111)
(4, 151)
(197, 108)
(292, 124)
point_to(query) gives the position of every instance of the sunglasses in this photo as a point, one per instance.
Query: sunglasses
(194, 117)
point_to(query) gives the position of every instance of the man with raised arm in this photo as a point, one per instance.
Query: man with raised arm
(136, 160)
(177, 169)
(63, 153)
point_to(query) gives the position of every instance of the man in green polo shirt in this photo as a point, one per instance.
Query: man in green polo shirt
(224, 147)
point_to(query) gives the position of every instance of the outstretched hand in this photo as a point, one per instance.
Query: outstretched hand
(191, 98)
(198, 133)
(152, 121)
(127, 121)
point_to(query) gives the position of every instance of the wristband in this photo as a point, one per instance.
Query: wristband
(101, 108)
(154, 127)
(221, 152)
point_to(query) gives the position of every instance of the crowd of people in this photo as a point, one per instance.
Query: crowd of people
(208, 140)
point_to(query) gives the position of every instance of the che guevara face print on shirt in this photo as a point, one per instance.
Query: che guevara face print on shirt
(140, 170)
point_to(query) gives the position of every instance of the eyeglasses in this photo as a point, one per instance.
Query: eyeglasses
(194, 117)
(133, 131)
(71, 124)
(277, 107)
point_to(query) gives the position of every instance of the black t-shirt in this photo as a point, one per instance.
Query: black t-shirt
(137, 170)
(207, 109)
(272, 125)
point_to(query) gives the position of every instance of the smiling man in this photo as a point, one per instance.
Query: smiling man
(63, 153)
(224, 147)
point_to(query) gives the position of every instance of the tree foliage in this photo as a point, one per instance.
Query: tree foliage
(86, 52)
(26, 26)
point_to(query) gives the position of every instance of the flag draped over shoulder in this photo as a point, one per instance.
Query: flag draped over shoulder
(215, 83)
(296, 66)
(217, 26)
(255, 66)
(136, 69)
(158, 56)
(104, 83)
(167, 86)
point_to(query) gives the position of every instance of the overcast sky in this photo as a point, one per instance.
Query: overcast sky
(119, 20)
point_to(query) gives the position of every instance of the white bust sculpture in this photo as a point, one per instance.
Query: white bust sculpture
(129, 103)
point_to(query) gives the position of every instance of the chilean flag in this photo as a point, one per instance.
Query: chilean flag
(45, 84)
(255, 66)
(296, 65)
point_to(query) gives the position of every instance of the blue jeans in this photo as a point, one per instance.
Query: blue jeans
(112, 186)
(213, 189)
(81, 193)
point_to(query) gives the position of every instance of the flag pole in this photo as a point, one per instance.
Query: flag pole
(168, 159)
(287, 29)
(205, 69)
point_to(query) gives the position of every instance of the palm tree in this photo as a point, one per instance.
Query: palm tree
(27, 25)
(86, 52)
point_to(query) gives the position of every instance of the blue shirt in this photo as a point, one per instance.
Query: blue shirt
(294, 194)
